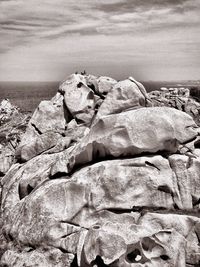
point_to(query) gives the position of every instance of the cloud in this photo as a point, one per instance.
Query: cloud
(127, 5)
(88, 27)
(46, 18)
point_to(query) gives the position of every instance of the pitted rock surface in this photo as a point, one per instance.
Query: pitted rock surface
(103, 176)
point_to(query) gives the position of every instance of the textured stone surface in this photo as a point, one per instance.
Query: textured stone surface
(7, 110)
(40, 258)
(101, 178)
(6, 158)
(44, 129)
(187, 171)
(105, 84)
(12, 127)
(79, 98)
(123, 96)
(145, 130)
(178, 98)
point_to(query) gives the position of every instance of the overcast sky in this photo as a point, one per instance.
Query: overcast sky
(148, 39)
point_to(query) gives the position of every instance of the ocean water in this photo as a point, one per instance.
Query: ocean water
(27, 95)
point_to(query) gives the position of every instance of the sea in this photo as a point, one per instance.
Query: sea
(27, 95)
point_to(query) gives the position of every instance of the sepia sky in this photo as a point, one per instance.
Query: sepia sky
(148, 39)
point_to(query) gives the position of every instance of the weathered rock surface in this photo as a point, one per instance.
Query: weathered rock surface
(124, 95)
(48, 257)
(101, 85)
(145, 130)
(7, 110)
(187, 171)
(178, 98)
(79, 98)
(12, 126)
(45, 128)
(102, 178)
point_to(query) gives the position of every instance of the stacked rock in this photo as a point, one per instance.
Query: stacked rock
(178, 98)
(12, 125)
(103, 179)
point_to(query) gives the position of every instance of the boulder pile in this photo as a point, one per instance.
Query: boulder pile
(12, 126)
(179, 98)
(104, 175)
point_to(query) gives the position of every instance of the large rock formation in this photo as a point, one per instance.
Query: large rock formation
(178, 98)
(103, 176)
